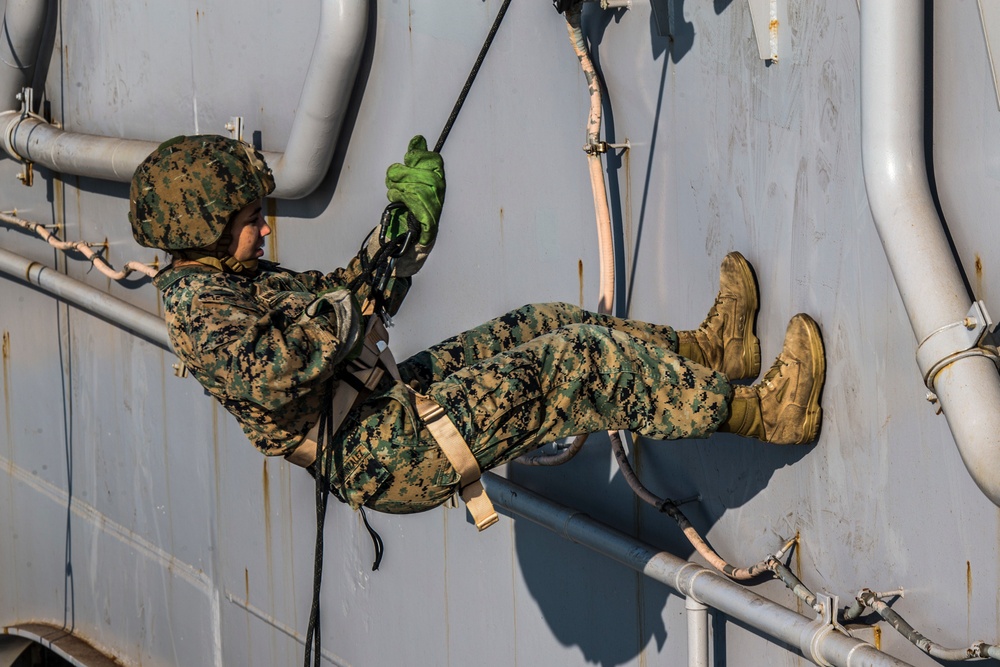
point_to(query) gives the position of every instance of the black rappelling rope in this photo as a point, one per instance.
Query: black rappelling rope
(389, 250)
(320, 468)
(472, 77)
(313, 641)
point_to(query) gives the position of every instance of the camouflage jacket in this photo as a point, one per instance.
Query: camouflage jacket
(251, 344)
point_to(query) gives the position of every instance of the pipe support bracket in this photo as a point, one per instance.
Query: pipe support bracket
(27, 99)
(823, 626)
(955, 341)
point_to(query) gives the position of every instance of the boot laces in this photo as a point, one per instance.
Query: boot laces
(713, 313)
(776, 371)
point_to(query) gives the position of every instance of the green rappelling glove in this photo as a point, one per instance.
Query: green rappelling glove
(417, 184)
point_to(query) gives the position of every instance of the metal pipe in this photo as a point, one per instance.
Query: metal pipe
(92, 300)
(20, 37)
(869, 598)
(815, 640)
(921, 260)
(697, 619)
(312, 140)
(326, 92)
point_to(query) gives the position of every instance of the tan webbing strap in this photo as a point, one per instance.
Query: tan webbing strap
(366, 370)
(378, 338)
(460, 456)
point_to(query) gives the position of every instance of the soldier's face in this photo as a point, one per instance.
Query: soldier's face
(249, 230)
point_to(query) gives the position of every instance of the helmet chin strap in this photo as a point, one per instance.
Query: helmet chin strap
(239, 266)
(218, 259)
(217, 255)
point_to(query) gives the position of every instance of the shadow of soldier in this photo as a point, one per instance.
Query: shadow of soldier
(607, 610)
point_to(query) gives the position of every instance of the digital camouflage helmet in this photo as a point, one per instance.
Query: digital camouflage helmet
(184, 193)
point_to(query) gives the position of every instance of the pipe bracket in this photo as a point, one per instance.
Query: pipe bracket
(769, 18)
(955, 341)
(822, 627)
(27, 99)
(235, 127)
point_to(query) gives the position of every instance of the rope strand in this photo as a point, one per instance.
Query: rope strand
(472, 77)
(372, 273)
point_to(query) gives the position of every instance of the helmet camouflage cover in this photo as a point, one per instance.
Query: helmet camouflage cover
(183, 194)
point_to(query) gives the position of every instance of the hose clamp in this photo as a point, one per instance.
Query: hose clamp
(955, 341)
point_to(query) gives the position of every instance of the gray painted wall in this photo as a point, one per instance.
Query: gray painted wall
(182, 546)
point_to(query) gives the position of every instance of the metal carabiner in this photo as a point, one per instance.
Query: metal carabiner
(412, 227)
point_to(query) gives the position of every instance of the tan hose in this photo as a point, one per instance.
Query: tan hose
(83, 247)
(605, 241)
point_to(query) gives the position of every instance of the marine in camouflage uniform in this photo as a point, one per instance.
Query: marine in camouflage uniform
(266, 342)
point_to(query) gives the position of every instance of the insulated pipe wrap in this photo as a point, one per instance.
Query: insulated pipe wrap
(21, 36)
(107, 158)
(312, 139)
(919, 255)
(326, 93)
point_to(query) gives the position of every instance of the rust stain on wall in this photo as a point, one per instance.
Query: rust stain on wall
(59, 206)
(579, 271)
(271, 215)
(266, 490)
(6, 388)
(968, 590)
(773, 28)
(798, 568)
(979, 274)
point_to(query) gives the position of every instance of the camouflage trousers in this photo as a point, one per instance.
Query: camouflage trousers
(534, 375)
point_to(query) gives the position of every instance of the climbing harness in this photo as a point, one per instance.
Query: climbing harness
(316, 452)
(360, 378)
(458, 453)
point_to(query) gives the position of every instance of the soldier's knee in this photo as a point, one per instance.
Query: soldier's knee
(592, 336)
(557, 311)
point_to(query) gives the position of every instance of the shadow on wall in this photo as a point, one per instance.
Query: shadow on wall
(669, 32)
(610, 612)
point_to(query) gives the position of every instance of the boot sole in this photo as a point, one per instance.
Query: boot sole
(751, 344)
(814, 412)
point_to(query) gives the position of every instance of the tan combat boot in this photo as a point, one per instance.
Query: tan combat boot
(725, 341)
(783, 408)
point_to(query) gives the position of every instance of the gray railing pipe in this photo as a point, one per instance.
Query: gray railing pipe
(23, 21)
(92, 300)
(814, 640)
(312, 140)
(326, 93)
(697, 620)
(912, 233)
